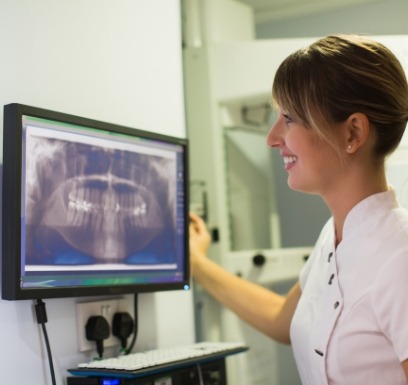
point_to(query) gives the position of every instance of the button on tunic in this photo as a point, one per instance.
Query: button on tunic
(351, 323)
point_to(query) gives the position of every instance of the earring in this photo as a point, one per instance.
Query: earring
(349, 147)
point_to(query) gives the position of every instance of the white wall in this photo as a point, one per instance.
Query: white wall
(382, 17)
(117, 61)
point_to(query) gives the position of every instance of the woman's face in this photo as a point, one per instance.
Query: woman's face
(312, 165)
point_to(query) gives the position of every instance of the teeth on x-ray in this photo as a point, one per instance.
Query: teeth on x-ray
(141, 210)
(108, 204)
(82, 201)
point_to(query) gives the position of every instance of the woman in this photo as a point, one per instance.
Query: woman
(343, 108)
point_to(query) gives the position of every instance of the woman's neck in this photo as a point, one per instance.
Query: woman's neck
(349, 192)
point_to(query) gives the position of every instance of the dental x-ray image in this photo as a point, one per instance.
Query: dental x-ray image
(87, 203)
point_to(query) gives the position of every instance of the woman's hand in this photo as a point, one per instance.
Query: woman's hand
(200, 240)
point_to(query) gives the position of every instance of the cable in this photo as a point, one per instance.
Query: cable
(122, 328)
(200, 374)
(136, 325)
(41, 314)
(97, 329)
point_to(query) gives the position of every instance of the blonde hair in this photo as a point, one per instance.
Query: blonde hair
(342, 74)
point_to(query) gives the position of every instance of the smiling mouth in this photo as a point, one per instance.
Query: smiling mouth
(289, 160)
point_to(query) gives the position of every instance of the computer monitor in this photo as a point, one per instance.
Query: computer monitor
(90, 208)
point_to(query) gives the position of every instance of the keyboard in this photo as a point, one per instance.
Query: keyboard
(141, 363)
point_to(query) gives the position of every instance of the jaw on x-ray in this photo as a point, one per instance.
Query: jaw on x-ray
(86, 204)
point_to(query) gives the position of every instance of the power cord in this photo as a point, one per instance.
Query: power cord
(41, 314)
(200, 374)
(123, 325)
(122, 328)
(136, 324)
(97, 329)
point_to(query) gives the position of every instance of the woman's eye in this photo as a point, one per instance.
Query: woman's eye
(288, 119)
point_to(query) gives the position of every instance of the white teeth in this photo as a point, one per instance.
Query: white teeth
(289, 159)
(141, 210)
(87, 202)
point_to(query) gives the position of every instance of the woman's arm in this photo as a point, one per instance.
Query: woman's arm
(265, 310)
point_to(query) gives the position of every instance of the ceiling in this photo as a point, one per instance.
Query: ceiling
(269, 10)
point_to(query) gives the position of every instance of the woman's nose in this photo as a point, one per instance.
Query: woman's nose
(274, 137)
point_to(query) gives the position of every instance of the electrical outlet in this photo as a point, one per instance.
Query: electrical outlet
(107, 309)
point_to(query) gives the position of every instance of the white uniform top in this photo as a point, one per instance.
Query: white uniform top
(351, 324)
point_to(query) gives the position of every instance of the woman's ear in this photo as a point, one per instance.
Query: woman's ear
(357, 130)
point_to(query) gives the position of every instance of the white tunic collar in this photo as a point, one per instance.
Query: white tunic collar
(362, 212)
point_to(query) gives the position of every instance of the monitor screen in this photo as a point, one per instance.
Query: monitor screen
(90, 208)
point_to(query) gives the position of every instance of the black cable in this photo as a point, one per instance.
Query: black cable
(122, 327)
(136, 325)
(97, 329)
(41, 314)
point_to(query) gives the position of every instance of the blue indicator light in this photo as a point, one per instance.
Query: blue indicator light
(110, 381)
(186, 287)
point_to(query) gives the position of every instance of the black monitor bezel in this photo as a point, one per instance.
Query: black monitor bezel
(11, 207)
